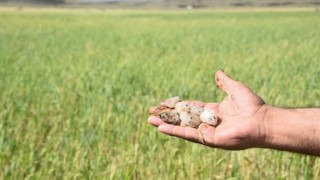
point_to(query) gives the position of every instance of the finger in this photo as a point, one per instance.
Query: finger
(171, 101)
(224, 82)
(187, 133)
(155, 121)
(212, 106)
(154, 110)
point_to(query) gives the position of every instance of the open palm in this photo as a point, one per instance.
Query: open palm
(241, 115)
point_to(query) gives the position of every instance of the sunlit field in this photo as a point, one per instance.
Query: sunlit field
(75, 88)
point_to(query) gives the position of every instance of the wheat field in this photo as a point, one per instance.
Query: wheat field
(76, 85)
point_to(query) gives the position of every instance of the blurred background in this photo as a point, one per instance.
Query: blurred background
(77, 78)
(170, 3)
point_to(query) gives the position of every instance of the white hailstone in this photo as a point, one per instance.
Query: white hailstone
(182, 107)
(190, 120)
(170, 116)
(197, 110)
(209, 117)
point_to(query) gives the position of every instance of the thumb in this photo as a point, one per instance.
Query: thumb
(224, 82)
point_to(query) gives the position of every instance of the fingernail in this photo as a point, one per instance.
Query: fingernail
(153, 110)
(152, 119)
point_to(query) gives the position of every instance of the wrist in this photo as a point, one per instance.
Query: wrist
(264, 120)
(274, 128)
(265, 126)
(278, 126)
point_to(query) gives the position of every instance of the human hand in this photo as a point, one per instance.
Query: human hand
(241, 119)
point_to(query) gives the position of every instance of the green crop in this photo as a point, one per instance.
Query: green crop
(75, 88)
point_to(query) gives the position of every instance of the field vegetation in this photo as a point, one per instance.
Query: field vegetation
(75, 88)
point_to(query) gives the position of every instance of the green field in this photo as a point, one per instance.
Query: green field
(75, 88)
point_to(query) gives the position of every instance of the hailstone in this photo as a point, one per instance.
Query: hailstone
(190, 120)
(209, 117)
(197, 110)
(182, 107)
(170, 116)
